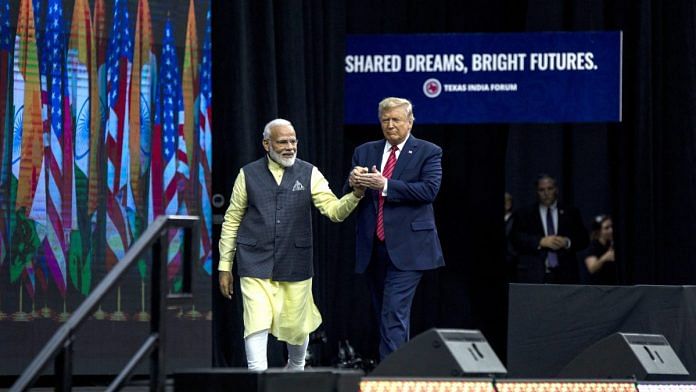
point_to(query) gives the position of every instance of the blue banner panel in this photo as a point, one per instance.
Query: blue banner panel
(552, 77)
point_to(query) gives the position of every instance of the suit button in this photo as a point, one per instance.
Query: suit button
(277, 221)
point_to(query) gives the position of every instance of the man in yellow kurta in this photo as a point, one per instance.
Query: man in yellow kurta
(268, 225)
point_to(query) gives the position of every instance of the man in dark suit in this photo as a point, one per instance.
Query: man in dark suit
(396, 237)
(547, 235)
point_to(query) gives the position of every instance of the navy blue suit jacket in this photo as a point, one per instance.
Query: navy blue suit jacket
(527, 231)
(409, 222)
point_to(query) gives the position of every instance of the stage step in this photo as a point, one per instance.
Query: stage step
(272, 380)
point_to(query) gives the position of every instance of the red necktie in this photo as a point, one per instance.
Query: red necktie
(387, 172)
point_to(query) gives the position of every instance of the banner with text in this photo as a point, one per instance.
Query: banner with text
(551, 77)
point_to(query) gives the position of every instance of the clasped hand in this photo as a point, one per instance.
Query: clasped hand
(554, 242)
(361, 177)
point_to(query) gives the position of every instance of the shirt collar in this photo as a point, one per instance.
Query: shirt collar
(552, 206)
(387, 145)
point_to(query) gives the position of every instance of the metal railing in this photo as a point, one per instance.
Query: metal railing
(60, 346)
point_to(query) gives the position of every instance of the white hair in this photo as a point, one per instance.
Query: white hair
(279, 159)
(272, 124)
(390, 103)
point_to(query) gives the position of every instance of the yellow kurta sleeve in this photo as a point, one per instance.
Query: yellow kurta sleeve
(326, 201)
(230, 225)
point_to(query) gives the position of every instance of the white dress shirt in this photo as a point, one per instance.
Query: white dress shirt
(385, 156)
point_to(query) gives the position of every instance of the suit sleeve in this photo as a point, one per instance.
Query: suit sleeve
(524, 239)
(425, 187)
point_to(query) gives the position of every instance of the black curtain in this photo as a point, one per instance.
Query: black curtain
(285, 59)
(654, 151)
(275, 59)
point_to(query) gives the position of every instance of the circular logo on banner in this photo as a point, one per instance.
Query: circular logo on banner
(432, 88)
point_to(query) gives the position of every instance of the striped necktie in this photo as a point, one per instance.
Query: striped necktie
(387, 173)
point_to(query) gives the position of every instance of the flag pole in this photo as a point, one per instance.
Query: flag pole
(142, 315)
(118, 315)
(64, 315)
(20, 315)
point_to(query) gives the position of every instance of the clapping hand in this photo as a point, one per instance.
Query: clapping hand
(372, 179)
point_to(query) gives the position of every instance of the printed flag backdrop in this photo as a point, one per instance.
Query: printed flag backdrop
(105, 109)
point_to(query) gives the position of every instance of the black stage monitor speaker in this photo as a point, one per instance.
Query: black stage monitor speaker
(627, 355)
(442, 353)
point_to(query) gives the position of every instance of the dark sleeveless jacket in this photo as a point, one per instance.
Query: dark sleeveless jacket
(274, 239)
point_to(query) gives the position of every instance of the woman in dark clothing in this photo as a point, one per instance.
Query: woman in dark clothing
(600, 260)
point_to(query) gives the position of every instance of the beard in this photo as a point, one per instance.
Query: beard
(282, 161)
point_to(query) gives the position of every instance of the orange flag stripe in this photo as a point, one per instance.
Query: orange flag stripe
(190, 87)
(32, 128)
(141, 56)
(82, 38)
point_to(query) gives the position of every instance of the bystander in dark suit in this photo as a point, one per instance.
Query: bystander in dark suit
(547, 235)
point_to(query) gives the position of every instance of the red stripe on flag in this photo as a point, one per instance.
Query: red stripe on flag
(172, 187)
(156, 170)
(68, 161)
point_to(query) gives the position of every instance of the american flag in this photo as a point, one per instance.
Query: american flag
(43, 63)
(176, 171)
(155, 197)
(38, 208)
(205, 145)
(59, 157)
(119, 63)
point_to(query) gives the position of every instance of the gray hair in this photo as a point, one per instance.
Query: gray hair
(394, 102)
(278, 122)
(543, 176)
